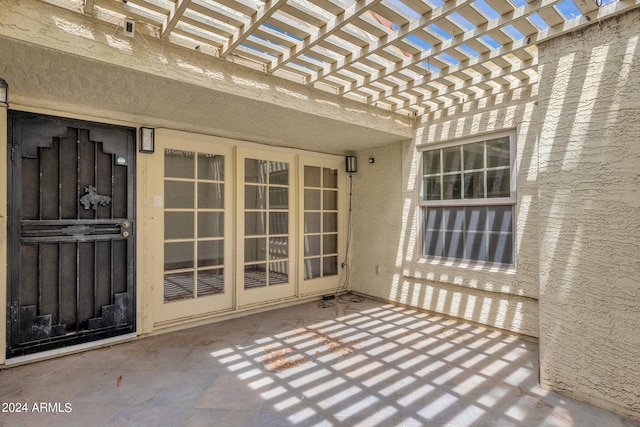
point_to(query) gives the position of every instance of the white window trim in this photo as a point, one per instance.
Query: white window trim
(496, 201)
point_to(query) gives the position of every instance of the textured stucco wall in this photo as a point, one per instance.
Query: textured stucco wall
(387, 252)
(589, 192)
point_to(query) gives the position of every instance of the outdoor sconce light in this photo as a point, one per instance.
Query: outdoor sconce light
(352, 164)
(146, 140)
(4, 93)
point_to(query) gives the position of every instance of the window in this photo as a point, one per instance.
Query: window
(468, 200)
(193, 225)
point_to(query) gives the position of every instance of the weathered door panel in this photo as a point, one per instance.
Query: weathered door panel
(71, 232)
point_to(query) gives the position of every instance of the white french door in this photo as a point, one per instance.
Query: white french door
(196, 191)
(236, 226)
(266, 246)
(322, 225)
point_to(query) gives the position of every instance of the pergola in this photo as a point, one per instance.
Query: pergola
(413, 57)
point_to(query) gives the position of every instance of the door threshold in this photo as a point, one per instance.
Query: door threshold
(49, 354)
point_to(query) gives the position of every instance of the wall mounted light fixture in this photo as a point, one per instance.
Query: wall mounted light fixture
(352, 164)
(147, 143)
(4, 93)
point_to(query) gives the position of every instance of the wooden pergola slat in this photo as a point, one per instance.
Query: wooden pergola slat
(270, 7)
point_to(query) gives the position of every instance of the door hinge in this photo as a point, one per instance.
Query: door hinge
(12, 313)
(12, 151)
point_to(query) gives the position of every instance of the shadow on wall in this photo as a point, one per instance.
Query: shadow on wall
(589, 225)
(501, 297)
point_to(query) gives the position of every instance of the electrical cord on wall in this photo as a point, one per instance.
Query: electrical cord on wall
(345, 296)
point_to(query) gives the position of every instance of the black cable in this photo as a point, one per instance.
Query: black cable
(325, 304)
(345, 274)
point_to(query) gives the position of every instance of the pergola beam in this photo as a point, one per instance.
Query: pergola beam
(270, 7)
(88, 6)
(174, 17)
(339, 22)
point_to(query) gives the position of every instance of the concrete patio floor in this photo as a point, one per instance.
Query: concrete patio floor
(353, 364)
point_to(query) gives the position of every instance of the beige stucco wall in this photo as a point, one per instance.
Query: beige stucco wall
(386, 256)
(589, 191)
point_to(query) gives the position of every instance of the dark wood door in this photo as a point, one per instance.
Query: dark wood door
(71, 232)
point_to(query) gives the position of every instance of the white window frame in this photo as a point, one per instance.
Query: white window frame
(496, 201)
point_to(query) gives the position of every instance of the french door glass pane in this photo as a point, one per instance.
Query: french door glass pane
(311, 176)
(279, 173)
(255, 223)
(330, 200)
(178, 286)
(210, 282)
(255, 170)
(329, 266)
(255, 276)
(210, 167)
(178, 164)
(255, 197)
(330, 244)
(210, 196)
(312, 222)
(312, 199)
(311, 268)
(178, 255)
(178, 225)
(278, 272)
(210, 224)
(255, 249)
(329, 222)
(329, 178)
(210, 253)
(178, 195)
(312, 245)
(278, 198)
(278, 248)
(278, 222)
